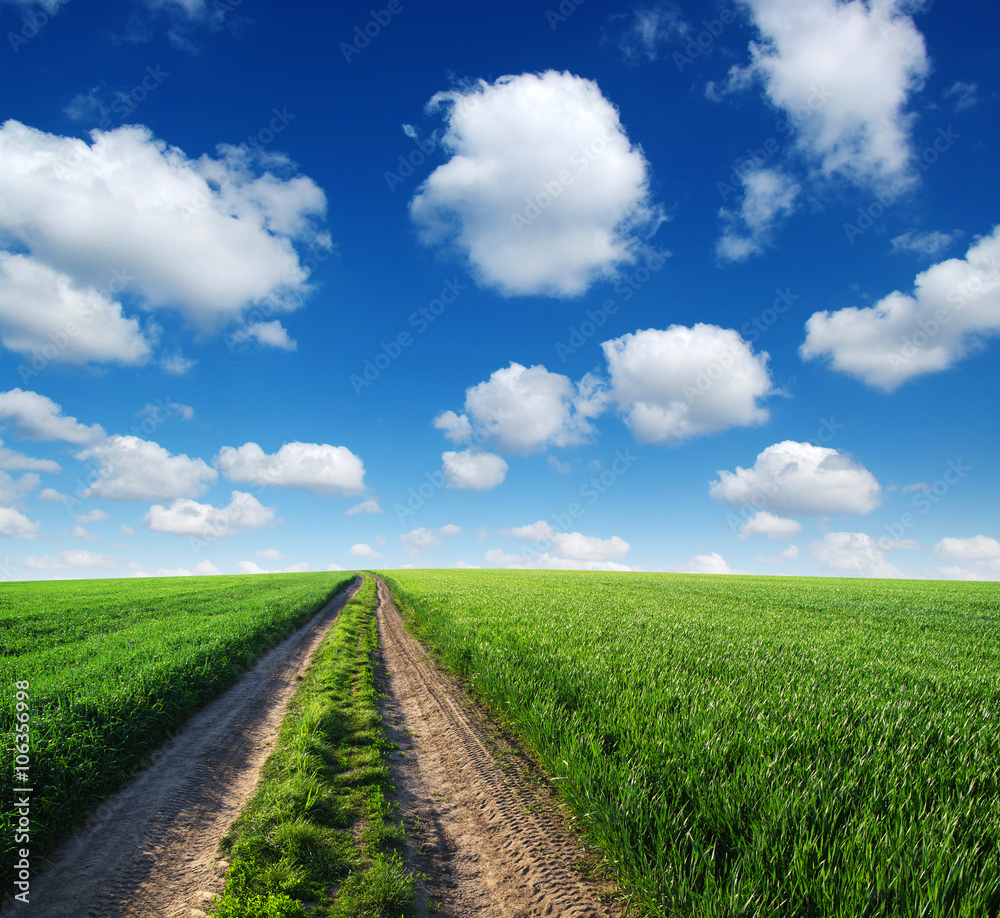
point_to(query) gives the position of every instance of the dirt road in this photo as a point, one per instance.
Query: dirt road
(152, 853)
(489, 838)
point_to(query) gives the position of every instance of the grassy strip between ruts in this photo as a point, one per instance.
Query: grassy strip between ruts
(318, 837)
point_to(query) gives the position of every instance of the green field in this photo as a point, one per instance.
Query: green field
(114, 666)
(750, 746)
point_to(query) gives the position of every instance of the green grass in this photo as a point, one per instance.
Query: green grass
(115, 666)
(319, 832)
(750, 746)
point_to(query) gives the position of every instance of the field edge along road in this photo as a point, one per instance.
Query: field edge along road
(154, 852)
(484, 833)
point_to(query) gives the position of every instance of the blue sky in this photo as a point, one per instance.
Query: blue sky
(675, 286)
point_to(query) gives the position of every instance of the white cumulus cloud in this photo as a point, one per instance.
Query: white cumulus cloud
(316, 467)
(569, 546)
(130, 468)
(186, 517)
(456, 427)
(711, 564)
(363, 550)
(800, 479)
(680, 382)
(208, 237)
(544, 192)
(366, 506)
(12, 460)
(977, 558)
(843, 74)
(955, 306)
(15, 525)
(37, 417)
(774, 527)
(271, 334)
(523, 409)
(49, 318)
(853, 553)
(473, 470)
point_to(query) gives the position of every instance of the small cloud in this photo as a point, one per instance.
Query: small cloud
(962, 96)
(641, 34)
(924, 243)
(269, 554)
(768, 197)
(456, 427)
(361, 550)
(711, 564)
(251, 567)
(269, 334)
(95, 516)
(158, 413)
(176, 364)
(774, 527)
(563, 468)
(70, 559)
(80, 533)
(789, 554)
(497, 556)
(366, 506)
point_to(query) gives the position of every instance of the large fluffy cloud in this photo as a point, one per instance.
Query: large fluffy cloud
(681, 382)
(954, 306)
(316, 467)
(523, 409)
(208, 237)
(203, 521)
(130, 468)
(37, 417)
(45, 315)
(544, 192)
(794, 478)
(842, 73)
(473, 470)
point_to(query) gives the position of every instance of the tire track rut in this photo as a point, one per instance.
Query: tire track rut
(150, 851)
(488, 841)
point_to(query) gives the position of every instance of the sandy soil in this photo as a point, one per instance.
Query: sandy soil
(151, 850)
(481, 824)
